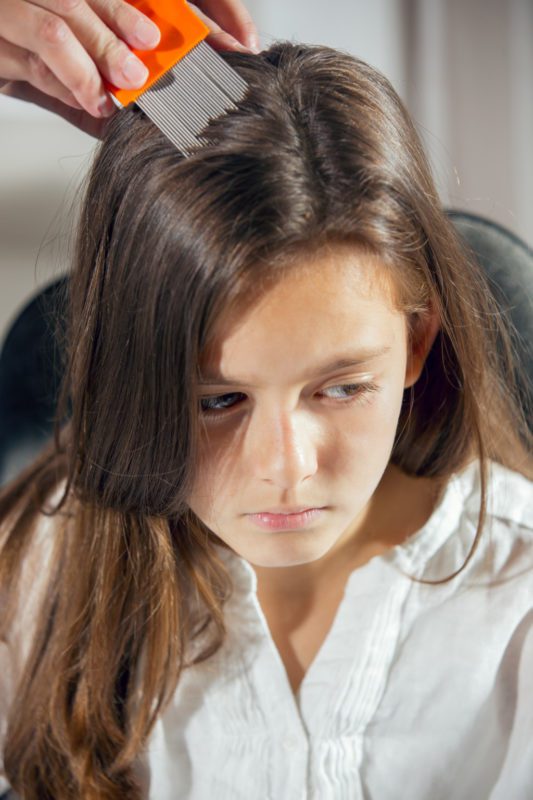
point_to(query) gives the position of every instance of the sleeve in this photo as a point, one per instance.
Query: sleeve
(516, 776)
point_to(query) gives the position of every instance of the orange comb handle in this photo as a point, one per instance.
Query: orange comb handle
(180, 30)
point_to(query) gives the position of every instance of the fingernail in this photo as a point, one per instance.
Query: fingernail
(253, 41)
(236, 45)
(106, 106)
(134, 70)
(147, 33)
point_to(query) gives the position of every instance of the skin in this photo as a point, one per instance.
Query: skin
(291, 438)
(55, 53)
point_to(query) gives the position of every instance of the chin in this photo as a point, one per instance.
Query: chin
(287, 548)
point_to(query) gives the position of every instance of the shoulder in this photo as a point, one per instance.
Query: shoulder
(509, 495)
(506, 545)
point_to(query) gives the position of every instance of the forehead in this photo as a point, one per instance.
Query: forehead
(326, 304)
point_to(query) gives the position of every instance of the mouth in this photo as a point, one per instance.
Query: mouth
(286, 520)
(285, 510)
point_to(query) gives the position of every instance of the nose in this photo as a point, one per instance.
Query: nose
(282, 447)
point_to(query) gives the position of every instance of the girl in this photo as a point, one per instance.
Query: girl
(282, 544)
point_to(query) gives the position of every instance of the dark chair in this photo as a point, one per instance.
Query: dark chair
(30, 359)
(30, 375)
(508, 263)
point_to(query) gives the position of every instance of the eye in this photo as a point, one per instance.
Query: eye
(215, 407)
(350, 391)
(219, 403)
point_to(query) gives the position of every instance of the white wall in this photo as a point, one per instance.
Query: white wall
(371, 29)
(42, 162)
(469, 70)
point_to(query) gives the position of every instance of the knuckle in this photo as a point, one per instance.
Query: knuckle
(38, 69)
(112, 53)
(84, 85)
(110, 49)
(103, 44)
(122, 10)
(52, 29)
(67, 6)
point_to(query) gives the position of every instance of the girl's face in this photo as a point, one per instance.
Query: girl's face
(300, 402)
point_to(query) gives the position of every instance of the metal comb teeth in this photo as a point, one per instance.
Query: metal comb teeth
(199, 88)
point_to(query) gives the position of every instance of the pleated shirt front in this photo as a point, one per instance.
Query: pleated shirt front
(418, 691)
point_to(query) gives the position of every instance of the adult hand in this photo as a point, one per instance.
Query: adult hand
(55, 52)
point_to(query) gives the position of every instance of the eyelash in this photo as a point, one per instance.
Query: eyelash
(361, 392)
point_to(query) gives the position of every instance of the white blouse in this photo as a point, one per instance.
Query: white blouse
(419, 692)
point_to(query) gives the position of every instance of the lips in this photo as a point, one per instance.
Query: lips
(286, 521)
(295, 510)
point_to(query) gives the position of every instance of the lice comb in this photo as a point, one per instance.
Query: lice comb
(189, 83)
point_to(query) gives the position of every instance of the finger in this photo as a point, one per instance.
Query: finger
(81, 119)
(37, 30)
(218, 38)
(17, 64)
(233, 17)
(128, 23)
(113, 58)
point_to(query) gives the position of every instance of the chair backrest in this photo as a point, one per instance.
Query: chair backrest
(31, 357)
(508, 263)
(30, 375)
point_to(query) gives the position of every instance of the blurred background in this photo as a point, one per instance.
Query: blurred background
(464, 68)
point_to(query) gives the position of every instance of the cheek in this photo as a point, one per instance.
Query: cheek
(366, 433)
(385, 413)
(364, 447)
(217, 475)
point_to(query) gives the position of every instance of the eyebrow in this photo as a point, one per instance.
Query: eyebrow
(344, 362)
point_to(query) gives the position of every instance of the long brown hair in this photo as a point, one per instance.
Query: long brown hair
(321, 150)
